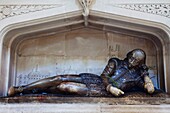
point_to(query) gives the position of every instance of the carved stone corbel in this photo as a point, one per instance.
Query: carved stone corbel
(86, 4)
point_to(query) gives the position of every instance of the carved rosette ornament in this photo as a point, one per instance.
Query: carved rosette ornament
(86, 4)
(158, 9)
(13, 10)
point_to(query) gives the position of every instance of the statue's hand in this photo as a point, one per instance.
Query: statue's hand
(149, 87)
(115, 91)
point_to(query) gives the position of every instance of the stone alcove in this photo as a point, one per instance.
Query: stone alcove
(139, 20)
(25, 43)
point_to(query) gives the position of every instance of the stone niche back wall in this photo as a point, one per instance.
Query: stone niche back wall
(77, 51)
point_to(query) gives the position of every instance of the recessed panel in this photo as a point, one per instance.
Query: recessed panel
(79, 51)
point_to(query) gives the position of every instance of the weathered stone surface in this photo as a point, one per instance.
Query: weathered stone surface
(132, 98)
(81, 108)
(134, 102)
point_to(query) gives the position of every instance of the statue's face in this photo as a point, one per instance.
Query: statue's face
(136, 58)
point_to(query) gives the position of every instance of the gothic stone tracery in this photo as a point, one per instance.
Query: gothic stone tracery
(161, 9)
(13, 10)
(158, 9)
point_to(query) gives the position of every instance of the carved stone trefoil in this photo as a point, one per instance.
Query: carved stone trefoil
(13, 10)
(155, 8)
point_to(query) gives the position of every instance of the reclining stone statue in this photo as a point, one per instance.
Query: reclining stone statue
(119, 76)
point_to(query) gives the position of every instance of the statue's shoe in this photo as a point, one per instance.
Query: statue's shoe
(11, 91)
(14, 90)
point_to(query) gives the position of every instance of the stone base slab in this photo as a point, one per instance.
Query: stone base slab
(81, 108)
(129, 103)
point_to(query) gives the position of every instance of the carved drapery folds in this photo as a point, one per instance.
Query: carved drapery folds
(86, 4)
(13, 10)
(158, 9)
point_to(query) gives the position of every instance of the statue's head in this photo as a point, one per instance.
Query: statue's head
(136, 57)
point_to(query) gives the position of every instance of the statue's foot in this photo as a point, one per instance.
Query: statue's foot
(14, 90)
(11, 91)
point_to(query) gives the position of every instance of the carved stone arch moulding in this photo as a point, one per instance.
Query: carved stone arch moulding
(161, 9)
(14, 10)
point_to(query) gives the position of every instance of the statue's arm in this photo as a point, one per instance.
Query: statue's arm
(148, 85)
(107, 73)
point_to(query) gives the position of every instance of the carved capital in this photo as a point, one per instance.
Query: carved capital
(14, 10)
(155, 8)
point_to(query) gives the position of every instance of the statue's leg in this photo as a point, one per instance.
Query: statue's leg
(73, 88)
(44, 84)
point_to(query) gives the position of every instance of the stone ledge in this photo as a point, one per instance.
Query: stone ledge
(105, 100)
(129, 103)
(132, 98)
(81, 108)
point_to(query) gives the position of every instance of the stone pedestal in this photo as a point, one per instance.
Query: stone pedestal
(81, 108)
(129, 103)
